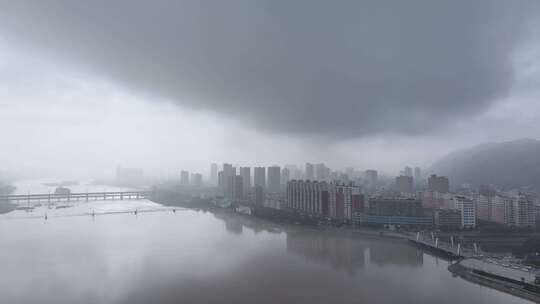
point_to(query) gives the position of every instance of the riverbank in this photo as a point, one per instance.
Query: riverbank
(517, 288)
(281, 217)
(343, 230)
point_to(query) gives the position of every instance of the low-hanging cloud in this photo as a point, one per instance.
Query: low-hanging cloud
(338, 68)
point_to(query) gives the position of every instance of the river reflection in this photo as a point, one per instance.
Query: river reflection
(201, 257)
(347, 253)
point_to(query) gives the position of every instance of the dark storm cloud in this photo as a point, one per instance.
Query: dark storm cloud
(339, 68)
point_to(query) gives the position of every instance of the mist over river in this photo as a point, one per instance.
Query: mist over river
(187, 256)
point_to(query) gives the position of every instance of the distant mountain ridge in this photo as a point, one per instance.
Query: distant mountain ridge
(508, 165)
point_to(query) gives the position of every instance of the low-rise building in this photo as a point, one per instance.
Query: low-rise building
(368, 219)
(447, 218)
(436, 200)
(394, 207)
(393, 211)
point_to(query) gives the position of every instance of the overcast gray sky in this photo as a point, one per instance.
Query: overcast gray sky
(177, 84)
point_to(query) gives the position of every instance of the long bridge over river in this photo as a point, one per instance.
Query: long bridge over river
(452, 250)
(68, 197)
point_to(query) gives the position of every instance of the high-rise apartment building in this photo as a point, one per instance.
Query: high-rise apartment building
(350, 172)
(213, 174)
(408, 171)
(259, 195)
(404, 184)
(274, 179)
(259, 177)
(500, 209)
(237, 187)
(308, 196)
(184, 178)
(285, 175)
(294, 172)
(322, 173)
(372, 179)
(484, 205)
(438, 183)
(344, 200)
(228, 179)
(524, 212)
(310, 171)
(245, 172)
(221, 181)
(468, 211)
(417, 176)
(196, 179)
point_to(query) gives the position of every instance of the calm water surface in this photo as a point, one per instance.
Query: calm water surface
(197, 257)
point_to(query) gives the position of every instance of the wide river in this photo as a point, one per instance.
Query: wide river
(160, 256)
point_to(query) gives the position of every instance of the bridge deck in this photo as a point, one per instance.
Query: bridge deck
(76, 196)
(449, 249)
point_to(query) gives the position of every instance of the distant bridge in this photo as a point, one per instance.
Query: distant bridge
(68, 197)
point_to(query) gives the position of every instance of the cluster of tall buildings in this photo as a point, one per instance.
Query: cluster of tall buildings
(426, 205)
(241, 184)
(274, 178)
(325, 192)
(191, 179)
(320, 172)
(262, 185)
(408, 180)
(416, 173)
(360, 197)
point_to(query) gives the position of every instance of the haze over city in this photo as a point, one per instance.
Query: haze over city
(269, 151)
(369, 84)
